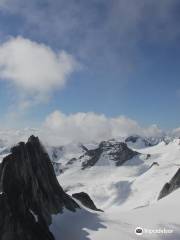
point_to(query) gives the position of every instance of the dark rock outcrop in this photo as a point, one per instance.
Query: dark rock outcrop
(85, 199)
(30, 193)
(170, 186)
(93, 156)
(135, 138)
(154, 164)
(56, 153)
(71, 161)
(114, 151)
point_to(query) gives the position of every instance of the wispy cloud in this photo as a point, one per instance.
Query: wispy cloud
(103, 33)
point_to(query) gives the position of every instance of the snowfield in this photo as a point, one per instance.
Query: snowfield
(128, 195)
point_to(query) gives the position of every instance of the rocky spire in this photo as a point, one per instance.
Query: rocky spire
(30, 193)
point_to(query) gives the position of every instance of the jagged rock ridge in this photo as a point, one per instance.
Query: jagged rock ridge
(136, 138)
(170, 186)
(86, 201)
(30, 193)
(118, 152)
(106, 152)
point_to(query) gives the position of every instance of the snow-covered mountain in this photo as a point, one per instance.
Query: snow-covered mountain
(138, 142)
(129, 194)
(81, 157)
(135, 187)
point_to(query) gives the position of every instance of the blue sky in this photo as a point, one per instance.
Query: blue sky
(128, 52)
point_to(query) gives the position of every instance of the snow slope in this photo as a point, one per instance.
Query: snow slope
(161, 215)
(128, 195)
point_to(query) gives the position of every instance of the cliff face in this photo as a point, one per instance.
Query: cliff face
(30, 193)
(170, 186)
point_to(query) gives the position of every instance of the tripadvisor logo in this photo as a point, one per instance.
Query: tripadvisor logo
(138, 231)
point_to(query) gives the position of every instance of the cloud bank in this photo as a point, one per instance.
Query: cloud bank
(34, 68)
(87, 127)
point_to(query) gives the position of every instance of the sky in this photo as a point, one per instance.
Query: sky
(68, 64)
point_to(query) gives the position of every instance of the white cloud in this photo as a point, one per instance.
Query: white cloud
(34, 68)
(85, 127)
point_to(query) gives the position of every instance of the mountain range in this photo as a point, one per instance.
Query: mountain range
(100, 190)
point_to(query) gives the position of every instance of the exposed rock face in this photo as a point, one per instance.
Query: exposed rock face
(135, 138)
(170, 186)
(141, 142)
(56, 152)
(112, 150)
(132, 139)
(92, 156)
(31, 193)
(85, 199)
(154, 164)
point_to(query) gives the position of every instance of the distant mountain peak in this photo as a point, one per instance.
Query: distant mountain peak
(117, 152)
